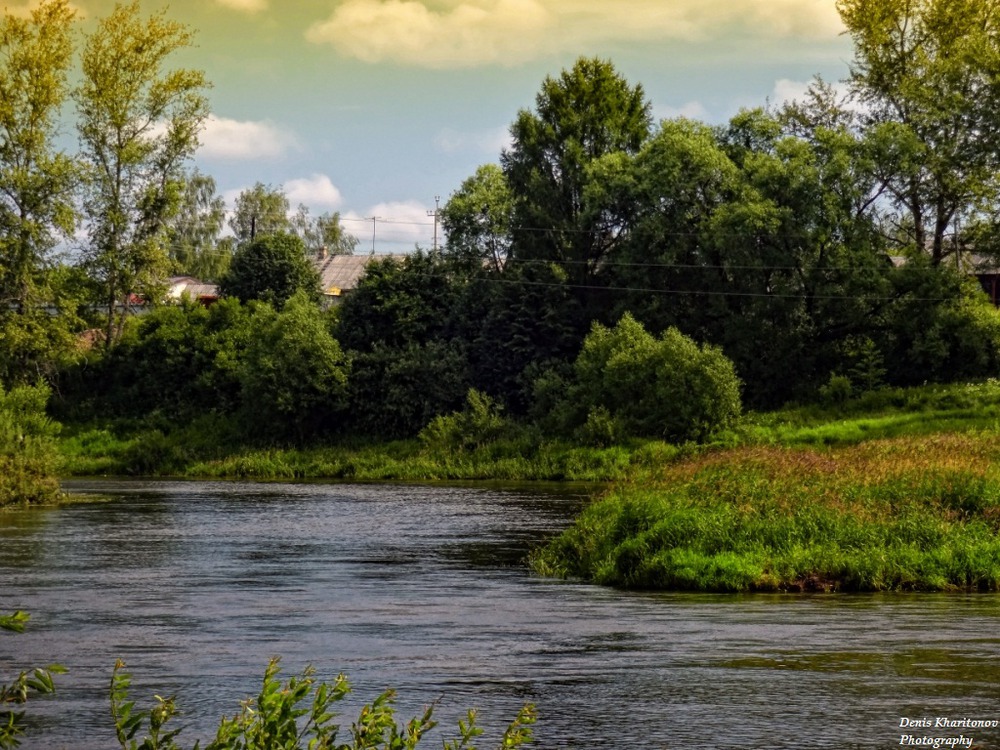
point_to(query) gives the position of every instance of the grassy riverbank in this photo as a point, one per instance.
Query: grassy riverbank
(897, 490)
(915, 513)
(213, 447)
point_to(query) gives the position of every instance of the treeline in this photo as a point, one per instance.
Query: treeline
(126, 206)
(609, 277)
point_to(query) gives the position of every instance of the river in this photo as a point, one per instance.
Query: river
(422, 588)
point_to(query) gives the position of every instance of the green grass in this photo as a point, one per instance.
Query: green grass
(896, 490)
(886, 515)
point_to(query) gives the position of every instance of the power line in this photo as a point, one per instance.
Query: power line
(696, 292)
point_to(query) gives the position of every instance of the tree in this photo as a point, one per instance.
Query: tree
(36, 180)
(409, 360)
(477, 219)
(295, 374)
(928, 72)
(588, 114)
(194, 230)
(138, 123)
(324, 234)
(259, 210)
(272, 268)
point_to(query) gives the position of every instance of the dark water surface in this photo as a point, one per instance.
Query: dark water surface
(421, 588)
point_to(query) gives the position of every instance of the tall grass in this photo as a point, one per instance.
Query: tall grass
(897, 514)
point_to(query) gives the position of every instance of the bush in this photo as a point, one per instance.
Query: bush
(626, 380)
(295, 374)
(180, 360)
(481, 422)
(297, 714)
(27, 446)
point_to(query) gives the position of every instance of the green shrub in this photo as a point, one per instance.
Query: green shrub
(298, 714)
(272, 269)
(295, 375)
(27, 446)
(668, 387)
(36, 682)
(479, 423)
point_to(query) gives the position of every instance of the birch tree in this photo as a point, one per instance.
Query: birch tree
(138, 123)
(928, 72)
(36, 179)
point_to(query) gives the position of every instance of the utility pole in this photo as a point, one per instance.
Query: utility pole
(435, 214)
(374, 219)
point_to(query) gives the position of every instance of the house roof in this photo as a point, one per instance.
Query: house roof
(341, 273)
(195, 288)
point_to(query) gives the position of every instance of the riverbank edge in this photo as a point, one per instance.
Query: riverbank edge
(789, 501)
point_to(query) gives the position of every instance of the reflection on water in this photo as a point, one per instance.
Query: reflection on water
(196, 585)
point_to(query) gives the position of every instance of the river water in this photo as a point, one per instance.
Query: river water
(196, 585)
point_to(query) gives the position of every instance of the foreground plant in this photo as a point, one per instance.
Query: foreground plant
(297, 714)
(36, 682)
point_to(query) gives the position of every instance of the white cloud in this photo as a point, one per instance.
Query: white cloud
(399, 225)
(316, 191)
(690, 110)
(457, 33)
(786, 90)
(247, 6)
(491, 141)
(223, 138)
(474, 32)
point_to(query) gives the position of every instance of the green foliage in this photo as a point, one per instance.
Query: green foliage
(138, 124)
(259, 211)
(177, 361)
(837, 389)
(294, 378)
(395, 392)
(400, 326)
(926, 71)
(479, 423)
(27, 447)
(36, 180)
(917, 514)
(588, 113)
(193, 232)
(670, 387)
(36, 682)
(956, 339)
(324, 235)
(272, 269)
(298, 714)
(476, 219)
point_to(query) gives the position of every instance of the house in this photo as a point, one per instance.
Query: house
(339, 274)
(199, 291)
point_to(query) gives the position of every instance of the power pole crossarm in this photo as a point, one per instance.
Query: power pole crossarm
(435, 213)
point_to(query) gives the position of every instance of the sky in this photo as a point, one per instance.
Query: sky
(381, 108)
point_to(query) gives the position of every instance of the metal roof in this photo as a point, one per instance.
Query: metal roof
(341, 273)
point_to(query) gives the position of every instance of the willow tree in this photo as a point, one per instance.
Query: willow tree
(138, 123)
(928, 73)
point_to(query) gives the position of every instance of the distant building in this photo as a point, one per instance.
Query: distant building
(339, 274)
(199, 291)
